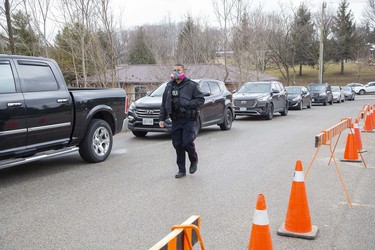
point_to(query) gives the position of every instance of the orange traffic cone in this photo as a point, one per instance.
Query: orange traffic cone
(351, 150)
(298, 221)
(357, 136)
(260, 237)
(368, 123)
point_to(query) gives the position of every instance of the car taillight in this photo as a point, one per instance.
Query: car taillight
(126, 105)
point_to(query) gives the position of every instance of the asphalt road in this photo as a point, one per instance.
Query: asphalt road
(132, 200)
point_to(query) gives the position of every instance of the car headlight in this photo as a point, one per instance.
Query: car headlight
(132, 107)
(296, 99)
(322, 94)
(262, 98)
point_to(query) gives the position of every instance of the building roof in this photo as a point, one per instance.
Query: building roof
(152, 73)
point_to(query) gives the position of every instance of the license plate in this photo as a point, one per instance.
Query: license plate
(243, 108)
(148, 121)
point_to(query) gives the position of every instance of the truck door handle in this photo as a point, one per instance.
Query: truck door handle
(62, 100)
(14, 104)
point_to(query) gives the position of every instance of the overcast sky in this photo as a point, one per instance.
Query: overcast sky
(139, 12)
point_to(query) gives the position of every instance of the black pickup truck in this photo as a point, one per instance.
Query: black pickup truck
(40, 117)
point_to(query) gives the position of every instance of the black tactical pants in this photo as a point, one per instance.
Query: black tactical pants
(183, 136)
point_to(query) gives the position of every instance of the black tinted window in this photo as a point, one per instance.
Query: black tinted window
(37, 78)
(6, 79)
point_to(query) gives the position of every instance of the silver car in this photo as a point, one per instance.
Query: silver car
(338, 94)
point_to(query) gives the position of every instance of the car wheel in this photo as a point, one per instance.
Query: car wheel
(228, 119)
(300, 105)
(310, 104)
(286, 108)
(269, 114)
(362, 92)
(97, 143)
(139, 133)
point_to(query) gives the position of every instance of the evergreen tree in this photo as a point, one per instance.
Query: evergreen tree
(344, 34)
(139, 52)
(189, 49)
(302, 35)
(25, 39)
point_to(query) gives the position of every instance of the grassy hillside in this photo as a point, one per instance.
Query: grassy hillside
(352, 73)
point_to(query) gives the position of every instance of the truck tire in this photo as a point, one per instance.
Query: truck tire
(97, 143)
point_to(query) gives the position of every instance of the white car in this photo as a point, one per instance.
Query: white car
(355, 86)
(338, 94)
(368, 88)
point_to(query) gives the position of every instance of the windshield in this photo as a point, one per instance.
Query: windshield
(317, 87)
(335, 89)
(255, 87)
(293, 90)
(347, 88)
(159, 90)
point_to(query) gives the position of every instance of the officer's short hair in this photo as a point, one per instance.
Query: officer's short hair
(180, 65)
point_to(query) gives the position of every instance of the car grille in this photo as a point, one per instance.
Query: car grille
(149, 113)
(245, 103)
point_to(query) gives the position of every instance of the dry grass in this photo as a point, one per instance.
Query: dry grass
(352, 73)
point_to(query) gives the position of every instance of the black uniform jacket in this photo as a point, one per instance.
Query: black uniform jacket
(190, 98)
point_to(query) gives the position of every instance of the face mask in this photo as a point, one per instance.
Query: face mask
(176, 75)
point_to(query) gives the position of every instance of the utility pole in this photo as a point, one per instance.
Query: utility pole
(321, 61)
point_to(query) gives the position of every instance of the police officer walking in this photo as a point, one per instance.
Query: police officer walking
(181, 99)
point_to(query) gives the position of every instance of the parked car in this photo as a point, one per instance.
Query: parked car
(41, 118)
(261, 99)
(338, 94)
(349, 93)
(355, 86)
(321, 93)
(367, 88)
(298, 97)
(217, 109)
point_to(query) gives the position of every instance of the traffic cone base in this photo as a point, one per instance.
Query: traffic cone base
(309, 236)
(298, 222)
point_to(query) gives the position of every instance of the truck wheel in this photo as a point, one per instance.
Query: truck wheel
(228, 119)
(139, 133)
(97, 143)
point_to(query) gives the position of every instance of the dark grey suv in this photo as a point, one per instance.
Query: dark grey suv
(143, 114)
(261, 99)
(321, 93)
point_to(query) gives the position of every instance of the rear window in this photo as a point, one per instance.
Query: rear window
(37, 78)
(7, 84)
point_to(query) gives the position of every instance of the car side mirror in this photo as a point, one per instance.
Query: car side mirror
(275, 91)
(206, 94)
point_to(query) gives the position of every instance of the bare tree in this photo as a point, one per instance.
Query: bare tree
(228, 14)
(39, 11)
(369, 12)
